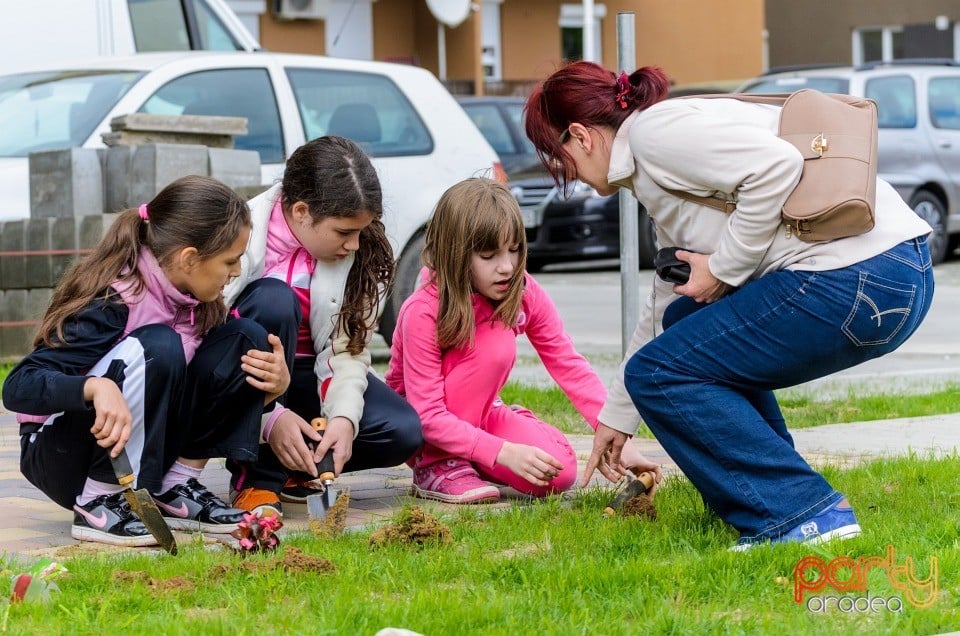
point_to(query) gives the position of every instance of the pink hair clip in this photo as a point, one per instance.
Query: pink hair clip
(623, 87)
(142, 211)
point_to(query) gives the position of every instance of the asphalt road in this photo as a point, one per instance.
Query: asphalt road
(588, 297)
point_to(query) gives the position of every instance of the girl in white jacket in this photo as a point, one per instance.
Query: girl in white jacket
(314, 272)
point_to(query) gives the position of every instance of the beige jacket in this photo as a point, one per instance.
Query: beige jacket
(347, 373)
(727, 148)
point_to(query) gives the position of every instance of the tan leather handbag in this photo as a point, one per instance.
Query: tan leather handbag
(837, 136)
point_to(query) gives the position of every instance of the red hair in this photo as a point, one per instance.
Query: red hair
(587, 94)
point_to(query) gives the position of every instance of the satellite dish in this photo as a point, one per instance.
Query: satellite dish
(450, 12)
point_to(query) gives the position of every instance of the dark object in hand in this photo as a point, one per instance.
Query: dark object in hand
(670, 268)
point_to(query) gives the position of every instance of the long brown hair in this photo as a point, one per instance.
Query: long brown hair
(335, 178)
(588, 94)
(475, 215)
(192, 211)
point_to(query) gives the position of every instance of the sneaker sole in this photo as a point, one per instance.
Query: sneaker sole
(192, 525)
(85, 533)
(481, 495)
(840, 534)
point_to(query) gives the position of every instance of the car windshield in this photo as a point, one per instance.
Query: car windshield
(51, 110)
(515, 111)
(791, 84)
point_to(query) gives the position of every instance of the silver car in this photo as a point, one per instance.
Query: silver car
(918, 102)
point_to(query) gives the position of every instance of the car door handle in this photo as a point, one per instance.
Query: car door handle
(943, 143)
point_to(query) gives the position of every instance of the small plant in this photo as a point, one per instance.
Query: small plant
(256, 533)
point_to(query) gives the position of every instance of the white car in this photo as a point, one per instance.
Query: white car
(420, 139)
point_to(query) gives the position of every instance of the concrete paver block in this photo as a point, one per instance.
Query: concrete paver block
(14, 339)
(154, 166)
(66, 182)
(39, 239)
(236, 168)
(118, 179)
(13, 269)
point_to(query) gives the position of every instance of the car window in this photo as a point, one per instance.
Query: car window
(896, 100)
(515, 112)
(492, 126)
(52, 110)
(364, 107)
(791, 84)
(161, 25)
(944, 98)
(240, 92)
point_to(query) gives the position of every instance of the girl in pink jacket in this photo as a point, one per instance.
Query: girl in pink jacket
(455, 345)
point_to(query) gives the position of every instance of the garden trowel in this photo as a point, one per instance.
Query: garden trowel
(319, 505)
(142, 503)
(634, 488)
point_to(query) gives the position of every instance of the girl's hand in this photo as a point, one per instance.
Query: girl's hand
(267, 371)
(702, 286)
(606, 455)
(338, 436)
(286, 440)
(533, 464)
(112, 424)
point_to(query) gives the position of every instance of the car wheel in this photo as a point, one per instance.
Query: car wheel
(404, 282)
(535, 265)
(648, 240)
(929, 208)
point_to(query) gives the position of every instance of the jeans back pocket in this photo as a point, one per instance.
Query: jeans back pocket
(879, 311)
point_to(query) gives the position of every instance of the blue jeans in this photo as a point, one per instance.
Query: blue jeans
(705, 385)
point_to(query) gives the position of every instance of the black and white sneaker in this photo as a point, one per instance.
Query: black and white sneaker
(191, 506)
(109, 519)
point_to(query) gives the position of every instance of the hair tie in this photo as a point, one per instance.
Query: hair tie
(623, 87)
(142, 211)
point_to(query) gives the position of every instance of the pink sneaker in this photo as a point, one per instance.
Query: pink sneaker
(452, 481)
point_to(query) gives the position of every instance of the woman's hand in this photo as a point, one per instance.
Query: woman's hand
(286, 440)
(633, 460)
(267, 371)
(606, 454)
(339, 436)
(533, 464)
(702, 286)
(113, 421)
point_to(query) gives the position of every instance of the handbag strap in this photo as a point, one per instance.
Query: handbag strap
(724, 205)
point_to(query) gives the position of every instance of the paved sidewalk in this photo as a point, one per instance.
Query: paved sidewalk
(32, 524)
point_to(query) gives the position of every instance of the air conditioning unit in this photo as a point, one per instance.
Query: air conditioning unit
(302, 9)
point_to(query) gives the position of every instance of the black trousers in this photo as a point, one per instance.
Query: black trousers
(201, 410)
(390, 431)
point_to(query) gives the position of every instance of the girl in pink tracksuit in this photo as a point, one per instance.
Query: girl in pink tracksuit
(455, 345)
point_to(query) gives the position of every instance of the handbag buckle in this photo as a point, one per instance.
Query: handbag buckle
(819, 144)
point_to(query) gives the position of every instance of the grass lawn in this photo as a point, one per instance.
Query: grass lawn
(551, 567)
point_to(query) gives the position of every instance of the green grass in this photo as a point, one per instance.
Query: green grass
(800, 410)
(550, 567)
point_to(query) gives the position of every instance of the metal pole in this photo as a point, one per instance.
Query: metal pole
(629, 211)
(441, 51)
(589, 47)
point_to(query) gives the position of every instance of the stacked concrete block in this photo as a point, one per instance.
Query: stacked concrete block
(66, 182)
(156, 165)
(15, 337)
(39, 266)
(117, 176)
(13, 268)
(236, 168)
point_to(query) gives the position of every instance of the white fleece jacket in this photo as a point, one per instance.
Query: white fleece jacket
(727, 148)
(347, 372)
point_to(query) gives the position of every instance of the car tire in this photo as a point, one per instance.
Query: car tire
(404, 282)
(648, 240)
(930, 208)
(535, 265)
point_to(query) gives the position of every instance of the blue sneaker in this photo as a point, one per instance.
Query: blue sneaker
(835, 522)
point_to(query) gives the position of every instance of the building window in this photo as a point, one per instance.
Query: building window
(571, 31)
(877, 44)
(490, 36)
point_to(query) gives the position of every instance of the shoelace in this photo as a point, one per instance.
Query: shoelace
(119, 505)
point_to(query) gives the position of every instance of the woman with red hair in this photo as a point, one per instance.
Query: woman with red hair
(762, 310)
